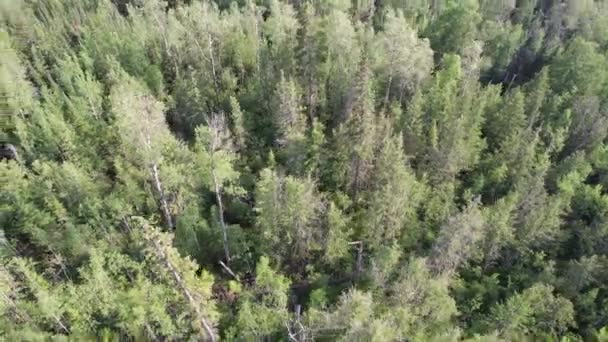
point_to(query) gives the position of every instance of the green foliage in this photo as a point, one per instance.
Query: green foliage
(403, 58)
(339, 230)
(580, 69)
(535, 310)
(423, 305)
(454, 29)
(394, 198)
(263, 308)
(288, 214)
(412, 170)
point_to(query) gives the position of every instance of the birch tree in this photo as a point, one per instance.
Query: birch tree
(216, 156)
(404, 60)
(140, 120)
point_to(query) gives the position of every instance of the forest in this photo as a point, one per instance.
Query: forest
(304, 170)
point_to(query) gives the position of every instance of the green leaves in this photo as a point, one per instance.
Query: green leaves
(454, 30)
(389, 170)
(394, 198)
(580, 69)
(536, 310)
(263, 310)
(403, 58)
(288, 215)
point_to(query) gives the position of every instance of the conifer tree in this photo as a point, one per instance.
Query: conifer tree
(288, 211)
(394, 197)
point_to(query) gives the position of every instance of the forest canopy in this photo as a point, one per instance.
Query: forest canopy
(304, 170)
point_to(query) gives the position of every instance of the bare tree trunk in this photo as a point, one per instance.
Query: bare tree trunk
(220, 138)
(163, 201)
(358, 267)
(359, 261)
(184, 289)
(387, 93)
(212, 59)
(257, 37)
(227, 269)
(220, 205)
(63, 327)
(311, 100)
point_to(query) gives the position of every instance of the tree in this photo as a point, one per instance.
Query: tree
(290, 125)
(263, 308)
(356, 137)
(422, 302)
(446, 119)
(280, 30)
(393, 198)
(535, 310)
(502, 42)
(217, 159)
(141, 122)
(182, 272)
(457, 240)
(19, 92)
(506, 120)
(579, 70)
(288, 210)
(454, 29)
(404, 59)
(588, 128)
(238, 124)
(354, 319)
(338, 232)
(340, 39)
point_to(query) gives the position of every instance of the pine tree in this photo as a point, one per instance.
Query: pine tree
(288, 211)
(393, 198)
(356, 138)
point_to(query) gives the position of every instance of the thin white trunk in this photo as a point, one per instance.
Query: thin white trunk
(63, 327)
(163, 201)
(227, 269)
(311, 98)
(220, 205)
(359, 264)
(257, 37)
(387, 93)
(185, 291)
(212, 59)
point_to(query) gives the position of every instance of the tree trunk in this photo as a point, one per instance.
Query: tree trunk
(387, 93)
(213, 67)
(220, 205)
(163, 201)
(185, 291)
